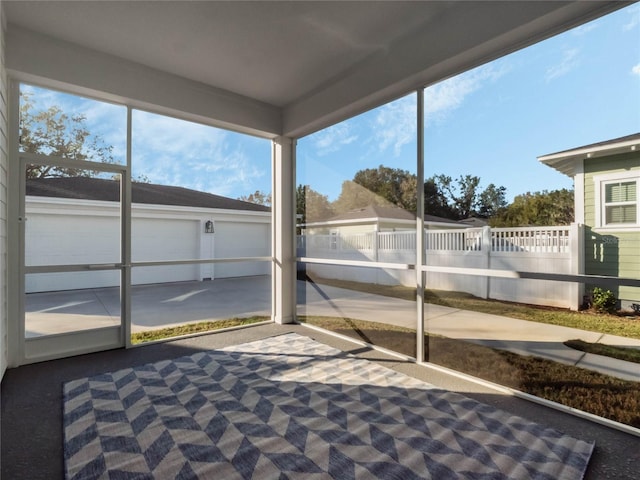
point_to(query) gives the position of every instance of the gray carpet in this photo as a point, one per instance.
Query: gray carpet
(288, 407)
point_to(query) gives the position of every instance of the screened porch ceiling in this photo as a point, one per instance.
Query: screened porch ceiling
(291, 68)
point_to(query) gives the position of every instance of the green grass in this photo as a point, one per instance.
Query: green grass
(621, 353)
(189, 328)
(585, 320)
(586, 390)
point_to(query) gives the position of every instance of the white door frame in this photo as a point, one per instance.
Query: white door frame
(77, 342)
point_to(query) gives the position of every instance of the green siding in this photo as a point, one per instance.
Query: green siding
(597, 166)
(610, 252)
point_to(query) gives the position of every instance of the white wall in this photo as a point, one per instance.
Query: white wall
(3, 199)
(68, 232)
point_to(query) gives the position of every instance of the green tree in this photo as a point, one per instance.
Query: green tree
(396, 186)
(258, 197)
(55, 133)
(491, 201)
(435, 201)
(354, 196)
(544, 208)
(462, 198)
(464, 195)
(312, 206)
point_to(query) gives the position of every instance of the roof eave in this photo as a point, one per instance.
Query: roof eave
(568, 162)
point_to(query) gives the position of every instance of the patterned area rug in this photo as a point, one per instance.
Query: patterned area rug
(288, 407)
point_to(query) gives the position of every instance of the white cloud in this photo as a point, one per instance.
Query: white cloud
(333, 138)
(169, 151)
(584, 29)
(176, 152)
(636, 70)
(443, 98)
(634, 19)
(395, 124)
(106, 120)
(568, 62)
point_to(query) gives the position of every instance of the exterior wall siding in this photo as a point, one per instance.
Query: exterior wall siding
(3, 199)
(609, 251)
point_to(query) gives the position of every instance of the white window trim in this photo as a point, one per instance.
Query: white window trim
(599, 184)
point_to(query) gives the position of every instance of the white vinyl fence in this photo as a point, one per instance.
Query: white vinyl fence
(526, 249)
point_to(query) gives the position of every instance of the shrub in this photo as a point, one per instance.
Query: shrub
(604, 300)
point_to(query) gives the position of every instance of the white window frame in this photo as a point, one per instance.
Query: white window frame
(600, 183)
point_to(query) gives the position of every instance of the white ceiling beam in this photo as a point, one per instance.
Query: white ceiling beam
(32, 57)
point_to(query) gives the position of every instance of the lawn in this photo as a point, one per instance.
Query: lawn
(624, 326)
(621, 353)
(191, 328)
(575, 387)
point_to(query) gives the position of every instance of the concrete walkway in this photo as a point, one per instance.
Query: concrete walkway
(163, 305)
(518, 336)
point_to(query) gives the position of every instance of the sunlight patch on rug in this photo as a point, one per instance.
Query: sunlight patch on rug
(288, 407)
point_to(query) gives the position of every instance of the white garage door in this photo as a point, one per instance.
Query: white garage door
(71, 240)
(63, 240)
(161, 240)
(236, 239)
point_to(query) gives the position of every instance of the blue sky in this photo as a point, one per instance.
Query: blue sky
(574, 89)
(577, 88)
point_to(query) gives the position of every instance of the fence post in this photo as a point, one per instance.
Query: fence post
(376, 234)
(486, 250)
(576, 255)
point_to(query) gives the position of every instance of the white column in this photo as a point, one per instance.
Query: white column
(15, 238)
(125, 239)
(283, 231)
(486, 248)
(422, 352)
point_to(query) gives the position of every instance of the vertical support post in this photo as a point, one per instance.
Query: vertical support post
(125, 242)
(576, 255)
(486, 251)
(422, 350)
(283, 231)
(15, 235)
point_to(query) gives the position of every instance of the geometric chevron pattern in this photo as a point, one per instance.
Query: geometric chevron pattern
(288, 407)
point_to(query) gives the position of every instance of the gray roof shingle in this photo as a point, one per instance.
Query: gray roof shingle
(88, 188)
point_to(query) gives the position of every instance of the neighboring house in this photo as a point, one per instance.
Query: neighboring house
(75, 220)
(607, 183)
(381, 231)
(385, 234)
(375, 218)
